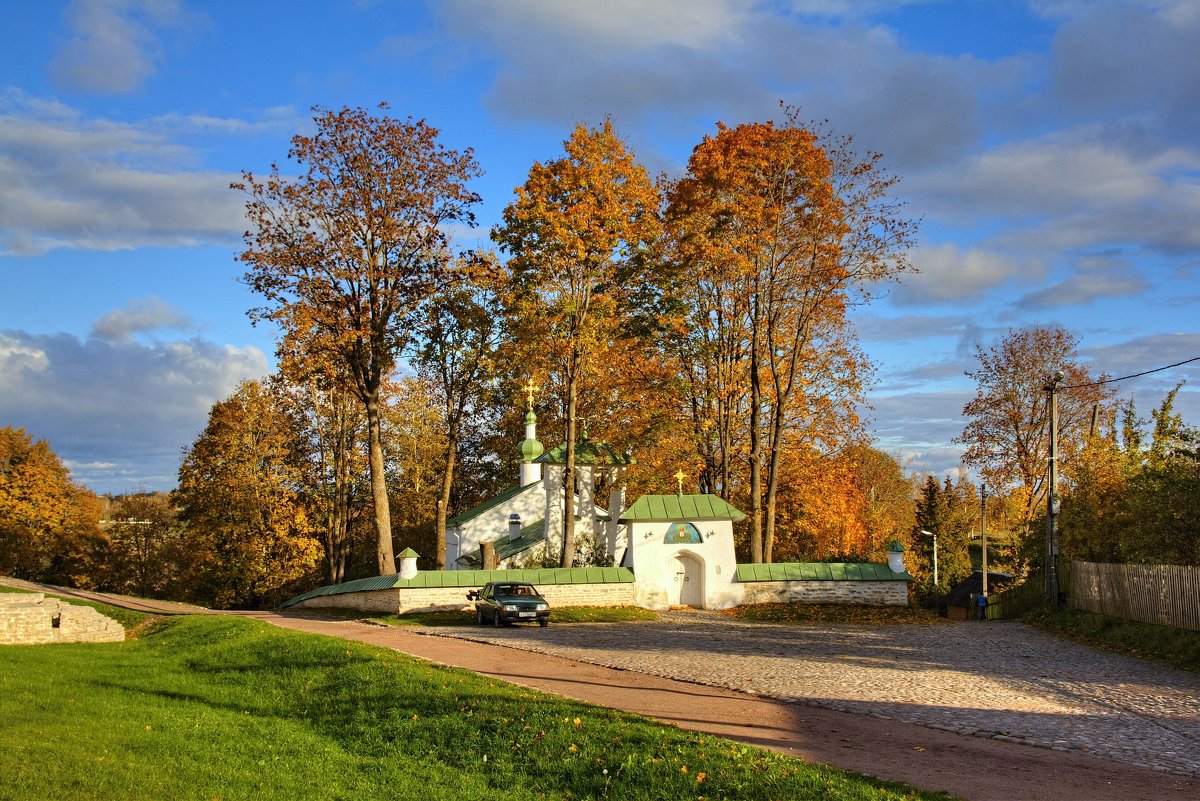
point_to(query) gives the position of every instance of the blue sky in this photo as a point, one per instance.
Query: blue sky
(1050, 147)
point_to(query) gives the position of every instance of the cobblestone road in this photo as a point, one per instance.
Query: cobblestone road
(999, 679)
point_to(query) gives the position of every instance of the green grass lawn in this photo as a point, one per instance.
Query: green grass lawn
(228, 708)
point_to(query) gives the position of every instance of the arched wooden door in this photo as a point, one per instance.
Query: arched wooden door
(687, 581)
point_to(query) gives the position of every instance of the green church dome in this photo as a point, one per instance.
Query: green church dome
(530, 449)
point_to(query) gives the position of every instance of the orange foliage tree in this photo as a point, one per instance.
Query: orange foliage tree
(459, 333)
(579, 235)
(350, 250)
(775, 232)
(47, 522)
(240, 495)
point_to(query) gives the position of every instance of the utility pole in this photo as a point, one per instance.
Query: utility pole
(983, 531)
(1052, 507)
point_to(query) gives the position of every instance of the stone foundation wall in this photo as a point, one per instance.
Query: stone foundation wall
(34, 619)
(862, 593)
(433, 599)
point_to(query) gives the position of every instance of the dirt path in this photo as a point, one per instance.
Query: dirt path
(973, 768)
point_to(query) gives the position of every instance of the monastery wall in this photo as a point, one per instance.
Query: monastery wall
(34, 619)
(862, 593)
(433, 599)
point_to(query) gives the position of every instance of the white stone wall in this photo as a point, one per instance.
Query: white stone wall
(34, 619)
(861, 593)
(431, 599)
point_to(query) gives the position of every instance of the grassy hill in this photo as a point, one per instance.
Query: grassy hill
(228, 708)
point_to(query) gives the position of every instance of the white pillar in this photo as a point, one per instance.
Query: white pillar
(552, 482)
(616, 507)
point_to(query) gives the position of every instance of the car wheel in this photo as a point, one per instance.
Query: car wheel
(543, 622)
(496, 622)
(478, 617)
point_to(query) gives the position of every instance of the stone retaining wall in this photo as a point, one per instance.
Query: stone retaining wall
(433, 599)
(34, 619)
(862, 593)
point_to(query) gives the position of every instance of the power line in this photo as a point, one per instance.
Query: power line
(1135, 375)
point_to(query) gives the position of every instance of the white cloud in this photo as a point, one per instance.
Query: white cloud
(1103, 275)
(948, 274)
(921, 427)
(123, 404)
(112, 48)
(68, 181)
(138, 316)
(619, 24)
(656, 65)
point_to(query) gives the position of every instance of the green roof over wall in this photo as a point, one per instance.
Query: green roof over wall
(473, 578)
(818, 571)
(681, 507)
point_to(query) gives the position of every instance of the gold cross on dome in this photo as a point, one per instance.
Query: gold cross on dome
(530, 388)
(680, 476)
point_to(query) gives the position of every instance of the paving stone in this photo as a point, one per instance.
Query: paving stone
(999, 679)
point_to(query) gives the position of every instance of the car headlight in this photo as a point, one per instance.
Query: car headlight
(510, 608)
(543, 607)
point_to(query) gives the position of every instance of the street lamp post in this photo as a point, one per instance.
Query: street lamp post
(935, 569)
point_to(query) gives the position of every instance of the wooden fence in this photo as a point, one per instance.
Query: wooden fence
(1016, 601)
(1164, 594)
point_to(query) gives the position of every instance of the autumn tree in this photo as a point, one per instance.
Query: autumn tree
(459, 335)
(416, 442)
(1134, 493)
(887, 503)
(776, 232)
(46, 518)
(579, 235)
(240, 495)
(146, 554)
(1093, 507)
(1007, 430)
(351, 249)
(332, 428)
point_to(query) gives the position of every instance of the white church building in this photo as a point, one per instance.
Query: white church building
(524, 523)
(680, 547)
(665, 550)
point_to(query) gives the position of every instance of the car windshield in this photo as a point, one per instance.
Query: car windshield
(515, 589)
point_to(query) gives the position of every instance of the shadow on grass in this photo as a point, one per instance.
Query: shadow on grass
(379, 705)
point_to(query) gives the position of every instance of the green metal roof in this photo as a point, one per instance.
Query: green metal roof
(476, 511)
(407, 553)
(587, 453)
(818, 571)
(681, 507)
(473, 578)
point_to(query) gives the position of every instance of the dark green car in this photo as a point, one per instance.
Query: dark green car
(501, 602)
